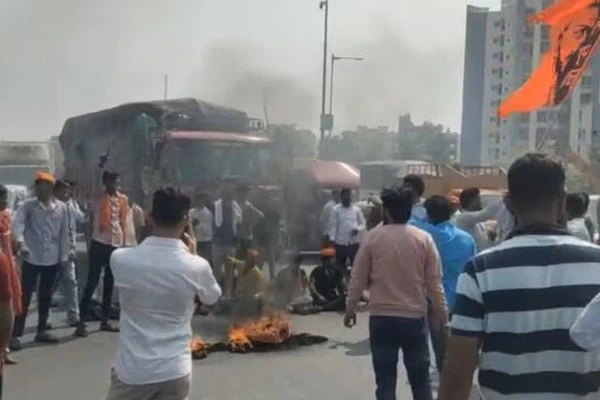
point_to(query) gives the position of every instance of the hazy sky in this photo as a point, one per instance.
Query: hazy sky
(61, 58)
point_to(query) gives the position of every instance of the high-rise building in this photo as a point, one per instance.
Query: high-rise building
(501, 51)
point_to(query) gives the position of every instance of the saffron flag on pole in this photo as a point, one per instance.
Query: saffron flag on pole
(574, 35)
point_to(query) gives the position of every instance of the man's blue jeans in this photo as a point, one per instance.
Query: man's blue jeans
(389, 335)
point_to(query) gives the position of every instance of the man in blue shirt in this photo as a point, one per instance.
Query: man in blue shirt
(455, 248)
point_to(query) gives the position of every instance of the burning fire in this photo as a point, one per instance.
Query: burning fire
(238, 340)
(199, 348)
(270, 332)
(269, 329)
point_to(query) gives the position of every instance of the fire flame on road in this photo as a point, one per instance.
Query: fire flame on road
(269, 329)
(269, 332)
(198, 346)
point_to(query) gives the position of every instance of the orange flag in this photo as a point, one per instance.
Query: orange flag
(574, 35)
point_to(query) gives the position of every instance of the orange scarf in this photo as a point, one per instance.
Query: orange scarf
(106, 212)
(6, 248)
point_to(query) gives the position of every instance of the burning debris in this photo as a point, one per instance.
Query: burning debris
(268, 333)
(269, 329)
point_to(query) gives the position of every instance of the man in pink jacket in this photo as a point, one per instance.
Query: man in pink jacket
(400, 266)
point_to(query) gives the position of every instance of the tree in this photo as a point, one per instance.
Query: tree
(427, 142)
(578, 181)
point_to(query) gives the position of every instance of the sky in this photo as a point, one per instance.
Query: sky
(62, 58)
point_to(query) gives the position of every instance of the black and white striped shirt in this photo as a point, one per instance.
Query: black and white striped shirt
(521, 298)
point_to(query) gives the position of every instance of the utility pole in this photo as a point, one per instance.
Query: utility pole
(265, 109)
(166, 86)
(335, 58)
(324, 5)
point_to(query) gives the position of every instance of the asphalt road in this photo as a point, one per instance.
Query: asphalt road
(78, 369)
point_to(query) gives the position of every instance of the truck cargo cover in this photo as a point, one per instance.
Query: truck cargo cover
(179, 114)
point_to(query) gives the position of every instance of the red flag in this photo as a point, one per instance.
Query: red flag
(574, 35)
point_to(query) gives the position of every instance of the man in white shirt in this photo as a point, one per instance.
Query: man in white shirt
(327, 209)
(251, 216)
(345, 223)
(202, 220)
(66, 280)
(505, 223)
(41, 232)
(157, 282)
(226, 223)
(585, 332)
(455, 203)
(576, 208)
(473, 216)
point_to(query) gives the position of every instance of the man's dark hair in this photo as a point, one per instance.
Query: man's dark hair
(416, 183)
(297, 259)
(398, 203)
(61, 185)
(345, 191)
(3, 191)
(575, 204)
(586, 198)
(535, 180)
(438, 209)
(169, 206)
(109, 176)
(468, 195)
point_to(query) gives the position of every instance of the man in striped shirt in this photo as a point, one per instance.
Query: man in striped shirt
(516, 302)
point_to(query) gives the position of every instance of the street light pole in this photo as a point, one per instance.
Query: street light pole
(334, 58)
(324, 4)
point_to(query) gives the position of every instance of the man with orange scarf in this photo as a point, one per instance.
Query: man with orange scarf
(108, 221)
(6, 247)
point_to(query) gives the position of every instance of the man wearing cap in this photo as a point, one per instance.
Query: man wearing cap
(108, 220)
(41, 231)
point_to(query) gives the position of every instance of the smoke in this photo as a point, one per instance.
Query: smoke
(67, 57)
(397, 75)
(62, 58)
(232, 75)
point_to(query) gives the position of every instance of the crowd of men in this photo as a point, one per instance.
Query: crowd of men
(522, 294)
(522, 299)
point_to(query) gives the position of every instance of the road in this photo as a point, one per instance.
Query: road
(79, 369)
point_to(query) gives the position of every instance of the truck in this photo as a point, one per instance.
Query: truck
(20, 160)
(185, 142)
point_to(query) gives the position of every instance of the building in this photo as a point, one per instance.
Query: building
(501, 51)
(291, 141)
(363, 144)
(427, 141)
